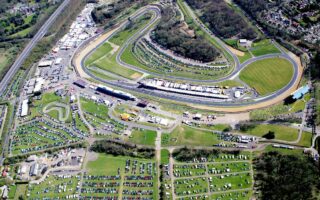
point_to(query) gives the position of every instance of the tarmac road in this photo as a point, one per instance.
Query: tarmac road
(186, 99)
(27, 50)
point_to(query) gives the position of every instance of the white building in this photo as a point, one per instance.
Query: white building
(45, 63)
(72, 98)
(24, 108)
(58, 61)
(237, 94)
(39, 83)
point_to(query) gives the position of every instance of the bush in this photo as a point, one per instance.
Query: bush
(118, 148)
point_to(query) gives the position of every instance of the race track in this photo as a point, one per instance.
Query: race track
(227, 106)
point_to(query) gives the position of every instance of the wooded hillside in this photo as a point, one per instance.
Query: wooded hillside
(176, 36)
(222, 19)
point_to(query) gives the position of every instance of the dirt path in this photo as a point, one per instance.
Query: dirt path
(235, 51)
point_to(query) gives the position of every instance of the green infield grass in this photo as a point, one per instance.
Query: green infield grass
(267, 75)
(54, 114)
(109, 63)
(103, 50)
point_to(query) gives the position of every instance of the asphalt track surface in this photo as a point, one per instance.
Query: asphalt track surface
(27, 50)
(185, 98)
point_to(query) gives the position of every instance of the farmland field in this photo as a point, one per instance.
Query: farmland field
(267, 75)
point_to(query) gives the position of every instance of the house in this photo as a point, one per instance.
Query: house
(245, 43)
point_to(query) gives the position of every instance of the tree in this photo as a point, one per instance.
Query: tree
(282, 177)
(270, 135)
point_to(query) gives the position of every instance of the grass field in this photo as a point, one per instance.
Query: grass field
(267, 75)
(270, 148)
(106, 165)
(278, 109)
(229, 83)
(306, 139)
(264, 47)
(47, 98)
(80, 124)
(185, 135)
(216, 127)
(102, 75)
(129, 58)
(281, 132)
(95, 109)
(109, 63)
(143, 137)
(165, 156)
(54, 114)
(245, 57)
